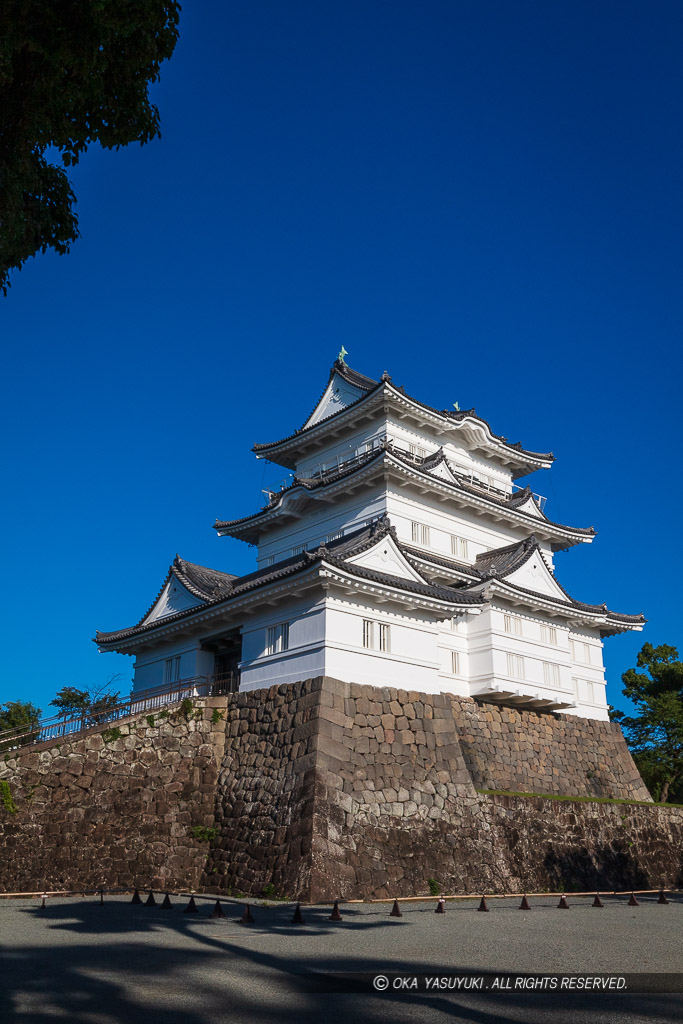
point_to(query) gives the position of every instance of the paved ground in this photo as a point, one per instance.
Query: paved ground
(120, 964)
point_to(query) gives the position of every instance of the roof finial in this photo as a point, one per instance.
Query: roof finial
(342, 353)
(456, 406)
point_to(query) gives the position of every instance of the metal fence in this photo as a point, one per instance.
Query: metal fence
(140, 702)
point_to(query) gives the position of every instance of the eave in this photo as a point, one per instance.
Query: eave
(464, 428)
(293, 502)
(595, 616)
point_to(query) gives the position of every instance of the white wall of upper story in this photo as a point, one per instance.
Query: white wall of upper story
(445, 521)
(486, 470)
(320, 523)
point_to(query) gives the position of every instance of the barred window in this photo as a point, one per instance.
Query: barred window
(515, 666)
(383, 636)
(172, 670)
(277, 638)
(455, 663)
(549, 634)
(551, 674)
(513, 624)
(368, 633)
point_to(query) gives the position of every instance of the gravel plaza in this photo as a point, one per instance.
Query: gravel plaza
(117, 963)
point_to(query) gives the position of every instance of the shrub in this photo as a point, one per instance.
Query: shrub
(434, 887)
(7, 800)
(204, 833)
(111, 735)
(268, 891)
(217, 716)
(150, 721)
(186, 706)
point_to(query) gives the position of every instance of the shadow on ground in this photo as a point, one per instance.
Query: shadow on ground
(139, 965)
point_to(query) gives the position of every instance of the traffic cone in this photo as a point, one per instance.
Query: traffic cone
(167, 905)
(662, 898)
(563, 905)
(298, 916)
(597, 902)
(395, 910)
(191, 907)
(335, 915)
(632, 901)
(136, 897)
(247, 916)
(440, 906)
(483, 905)
(217, 910)
(524, 905)
(150, 901)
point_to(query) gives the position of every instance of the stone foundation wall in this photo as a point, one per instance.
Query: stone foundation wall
(326, 789)
(528, 752)
(95, 810)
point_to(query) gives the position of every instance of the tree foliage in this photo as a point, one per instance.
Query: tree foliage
(72, 72)
(655, 732)
(70, 701)
(22, 718)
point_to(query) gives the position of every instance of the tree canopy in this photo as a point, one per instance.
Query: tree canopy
(655, 732)
(20, 716)
(72, 72)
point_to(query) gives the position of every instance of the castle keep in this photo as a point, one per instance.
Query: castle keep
(401, 553)
(402, 690)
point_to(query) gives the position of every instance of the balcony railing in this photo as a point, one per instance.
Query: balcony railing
(139, 702)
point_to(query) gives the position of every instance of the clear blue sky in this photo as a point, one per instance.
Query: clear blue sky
(483, 198)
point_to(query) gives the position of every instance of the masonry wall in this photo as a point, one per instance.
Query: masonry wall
(326, 789)
(529, 752)
(100, 810)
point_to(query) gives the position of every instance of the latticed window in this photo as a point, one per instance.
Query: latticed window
(383, 636)
(277, 639)
(172, 670)
(459, 547)
(515, 666)
(513, 624)
(419, 534)
(368, 633)
(551, 674)
(455, 663)
(549, 634)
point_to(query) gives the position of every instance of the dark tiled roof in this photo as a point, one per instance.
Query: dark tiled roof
(448, 563)
(502, 562)
(334, 554)
(364, 460)
(370, 385)
(509, 502)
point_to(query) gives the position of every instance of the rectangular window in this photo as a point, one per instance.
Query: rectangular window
(418, 450)
(580, 651)
(299, 549)
(549, 634)
(368, 633)
(334, 536)
(419, 534)
(172, 670)
(583, 688)
(383, 636)
(513, 624)
(515, 666)
(455, 663)
(269, 559)
(459, 547)
(277, 639)
(551, 674)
